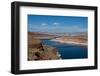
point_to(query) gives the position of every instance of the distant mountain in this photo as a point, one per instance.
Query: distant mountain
(79, 34)
(39, 35)
(66, 34)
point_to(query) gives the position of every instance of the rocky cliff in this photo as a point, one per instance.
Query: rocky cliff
(38, 51)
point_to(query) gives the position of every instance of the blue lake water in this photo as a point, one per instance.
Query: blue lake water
(68, 51)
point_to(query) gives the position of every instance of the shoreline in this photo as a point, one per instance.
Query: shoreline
(69, 42)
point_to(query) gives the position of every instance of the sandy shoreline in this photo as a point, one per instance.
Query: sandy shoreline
(69, 42)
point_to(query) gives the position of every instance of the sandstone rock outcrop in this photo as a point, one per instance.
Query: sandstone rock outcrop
(38, 51)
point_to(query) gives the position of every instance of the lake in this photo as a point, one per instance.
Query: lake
(68, 51)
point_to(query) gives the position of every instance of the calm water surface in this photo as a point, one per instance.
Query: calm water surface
(68, 51)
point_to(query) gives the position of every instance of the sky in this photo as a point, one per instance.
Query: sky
(57, 24)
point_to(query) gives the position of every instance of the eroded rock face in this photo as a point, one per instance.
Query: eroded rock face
(37, 51)
(49, 53)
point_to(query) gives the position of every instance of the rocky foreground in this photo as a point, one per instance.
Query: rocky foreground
(38, 51)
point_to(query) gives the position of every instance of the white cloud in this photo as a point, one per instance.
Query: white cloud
(43, 24)
(56, 23)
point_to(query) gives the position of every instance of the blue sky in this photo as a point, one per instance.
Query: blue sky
(57, 24)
